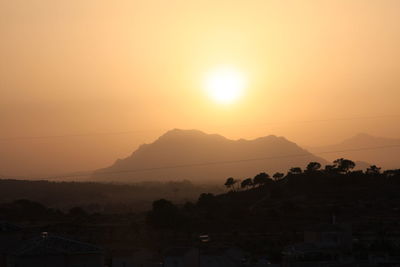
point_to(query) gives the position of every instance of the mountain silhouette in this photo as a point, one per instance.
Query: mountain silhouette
(200, 157)
(383, 152)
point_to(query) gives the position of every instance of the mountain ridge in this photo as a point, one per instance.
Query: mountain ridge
(189, 149)
(380, 153)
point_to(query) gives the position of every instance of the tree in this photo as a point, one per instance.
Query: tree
(230, 183)
(206, 199)
(77, 212)
(313, 167)
(295, 170)
(261, 179)
(330, 168)
(246, 183)
(373, 170)
(29, 209)
(344, 165)
(164, 215)
(277, 176)
(392, 173)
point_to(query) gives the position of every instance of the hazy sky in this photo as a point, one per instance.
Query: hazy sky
(92, 66)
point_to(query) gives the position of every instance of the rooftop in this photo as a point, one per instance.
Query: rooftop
(9, 227)
(53, 245)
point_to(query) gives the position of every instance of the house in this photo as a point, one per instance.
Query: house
(48, 250)
(324, 245)
(330, 236)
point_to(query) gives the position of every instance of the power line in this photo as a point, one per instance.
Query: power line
(148, 130)
(224, 162)
(72, 135)
(342, 119)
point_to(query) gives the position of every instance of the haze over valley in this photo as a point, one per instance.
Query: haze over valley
(199, 133)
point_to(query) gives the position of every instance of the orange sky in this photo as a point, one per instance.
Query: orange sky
(92, 66)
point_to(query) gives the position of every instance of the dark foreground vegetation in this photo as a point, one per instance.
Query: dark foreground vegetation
(282, 206)
(101, 197)
(262, 215)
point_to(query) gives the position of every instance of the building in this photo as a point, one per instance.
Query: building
(324, 245)
(330, 236)
(50, 250)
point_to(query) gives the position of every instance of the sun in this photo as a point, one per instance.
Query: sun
(225, 84)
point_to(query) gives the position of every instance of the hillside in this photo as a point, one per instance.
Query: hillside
(383, 152)
(201, 157)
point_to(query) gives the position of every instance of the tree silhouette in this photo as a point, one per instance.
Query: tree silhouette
(391, 173)
(246, 183)
(373, 170)
(344, 165)
(230, 183)
(261, 179)
(164, 214)
(277, 176)
(330, 168)
(313, 167)
(295, 170)
(207, 200)
(77, 212)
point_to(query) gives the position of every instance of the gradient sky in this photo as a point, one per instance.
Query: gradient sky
(92, 66)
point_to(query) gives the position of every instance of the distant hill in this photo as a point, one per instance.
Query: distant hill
(381, 152)
(201, 157)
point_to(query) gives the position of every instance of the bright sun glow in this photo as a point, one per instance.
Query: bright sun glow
(225, 84)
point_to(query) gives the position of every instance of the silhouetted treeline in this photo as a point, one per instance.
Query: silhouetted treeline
(261, 214)
(297, 197)
(264, 214)
(100, 197)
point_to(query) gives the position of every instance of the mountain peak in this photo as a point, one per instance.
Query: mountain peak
(180, 132)
(191, 149)
(183, 134)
